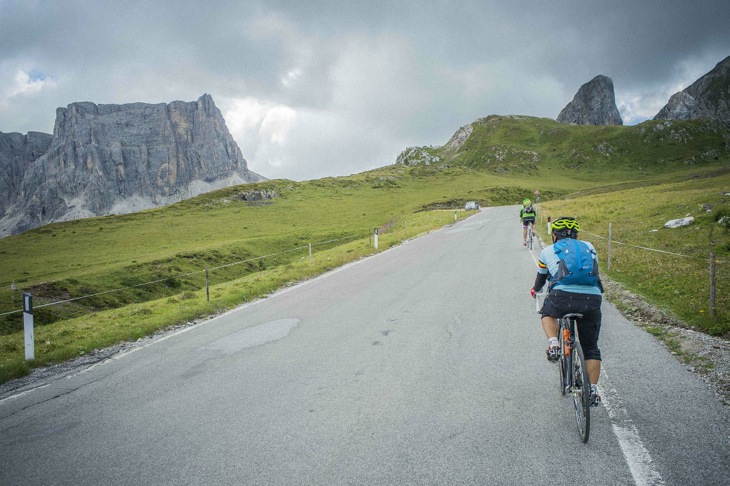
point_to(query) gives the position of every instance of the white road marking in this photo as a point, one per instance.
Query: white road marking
(637, 457)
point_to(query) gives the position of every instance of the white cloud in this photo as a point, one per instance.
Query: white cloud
(277, 123)
(262, 130)
(30, 82)
(18, 83)
(640, 105)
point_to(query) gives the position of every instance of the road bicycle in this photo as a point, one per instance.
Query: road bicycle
(574, 374)
(530, 236)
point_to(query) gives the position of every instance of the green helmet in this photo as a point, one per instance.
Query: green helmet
(565, 227)
(526, 202)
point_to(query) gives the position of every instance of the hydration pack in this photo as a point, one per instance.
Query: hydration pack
(577, 264)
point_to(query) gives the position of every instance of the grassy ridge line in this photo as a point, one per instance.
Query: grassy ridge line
(678, 284)
(520, 144)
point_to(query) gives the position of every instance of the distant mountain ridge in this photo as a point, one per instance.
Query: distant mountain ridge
(116, 159)
(695, 131)
(708, 97)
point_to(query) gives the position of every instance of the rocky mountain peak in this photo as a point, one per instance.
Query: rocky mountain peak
(708, 97)
(116, 159)
(594, 104)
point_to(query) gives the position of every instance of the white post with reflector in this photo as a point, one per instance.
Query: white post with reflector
(28, 326)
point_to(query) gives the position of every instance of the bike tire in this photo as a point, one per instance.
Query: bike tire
(529, 238)
(581, 392)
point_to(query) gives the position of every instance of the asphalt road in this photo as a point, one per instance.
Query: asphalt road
(424, 364)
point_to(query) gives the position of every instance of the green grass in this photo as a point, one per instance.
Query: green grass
(64, 339)
(679, 284)
(636, 177)
(527, 145)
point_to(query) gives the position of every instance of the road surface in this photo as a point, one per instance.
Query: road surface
(422, 365)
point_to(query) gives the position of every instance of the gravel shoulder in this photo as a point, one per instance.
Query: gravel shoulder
(705, 355)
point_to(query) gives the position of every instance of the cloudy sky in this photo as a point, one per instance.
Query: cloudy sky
(316, 88)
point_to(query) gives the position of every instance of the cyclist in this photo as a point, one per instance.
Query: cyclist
(527, 217)
(566, 299)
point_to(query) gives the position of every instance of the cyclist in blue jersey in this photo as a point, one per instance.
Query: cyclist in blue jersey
(566, 299)
(527, 217)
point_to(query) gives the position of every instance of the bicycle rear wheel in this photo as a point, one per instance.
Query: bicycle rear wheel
(529, 238)
(581, 392)
(563, 364)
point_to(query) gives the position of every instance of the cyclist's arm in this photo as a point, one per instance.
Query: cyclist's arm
(539, 281)
(542, 276)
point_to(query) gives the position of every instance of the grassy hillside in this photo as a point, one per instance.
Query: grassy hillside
(669, 267)
(146, 271)
(593, 154)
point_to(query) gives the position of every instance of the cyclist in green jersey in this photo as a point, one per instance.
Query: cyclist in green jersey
(527, 217)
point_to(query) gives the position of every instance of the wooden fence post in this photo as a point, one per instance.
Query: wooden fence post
(609, 247)
(207, 284)
(712, 285)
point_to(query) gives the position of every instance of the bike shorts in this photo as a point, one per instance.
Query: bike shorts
(527, 221)
(558, 303)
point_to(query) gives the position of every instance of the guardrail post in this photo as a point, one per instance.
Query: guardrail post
(28, 326)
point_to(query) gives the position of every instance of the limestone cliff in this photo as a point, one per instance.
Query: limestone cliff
(116, 159)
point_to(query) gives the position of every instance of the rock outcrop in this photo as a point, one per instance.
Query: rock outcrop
(116, 159)
(708, 97)
(17, 152)
(594, 104)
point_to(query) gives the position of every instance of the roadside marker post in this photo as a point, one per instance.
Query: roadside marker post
(375, 238)
(28, 326)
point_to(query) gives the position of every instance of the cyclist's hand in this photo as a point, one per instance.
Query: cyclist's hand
(532, 293)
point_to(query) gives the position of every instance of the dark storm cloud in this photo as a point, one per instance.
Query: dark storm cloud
(330, 87)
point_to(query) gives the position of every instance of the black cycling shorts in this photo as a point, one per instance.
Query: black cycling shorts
(558, 303)
(527, 221)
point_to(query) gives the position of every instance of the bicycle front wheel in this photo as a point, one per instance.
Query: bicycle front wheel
(581, 391)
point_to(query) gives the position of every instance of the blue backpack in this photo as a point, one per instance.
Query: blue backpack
(577, 264)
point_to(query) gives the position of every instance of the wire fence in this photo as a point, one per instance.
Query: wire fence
(710, 260)
(50, 308)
